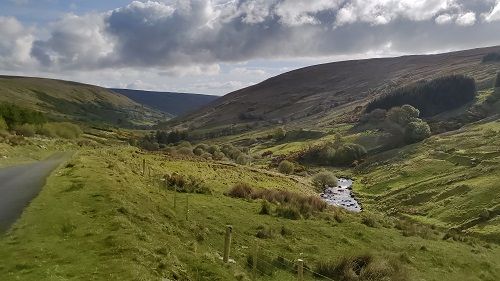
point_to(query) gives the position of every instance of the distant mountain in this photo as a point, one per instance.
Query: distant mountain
(66, 100)
(325, 94)
(173, 103)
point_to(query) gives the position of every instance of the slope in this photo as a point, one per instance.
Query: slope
(330, 90)
(75, 101)
(172, 103)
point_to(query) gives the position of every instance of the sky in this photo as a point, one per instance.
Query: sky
(218, 46)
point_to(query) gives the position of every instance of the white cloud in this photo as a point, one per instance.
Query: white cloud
(466, 19)
(494, 14)
(15, 43)
(299, 12)
(444, 19)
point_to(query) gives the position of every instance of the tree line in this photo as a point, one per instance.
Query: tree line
(14, 115)
(430, 97)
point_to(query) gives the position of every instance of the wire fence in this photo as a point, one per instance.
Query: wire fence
(253, 256)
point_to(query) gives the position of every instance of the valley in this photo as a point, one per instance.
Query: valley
(301, 168)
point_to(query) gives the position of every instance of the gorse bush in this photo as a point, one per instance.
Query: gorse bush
(290, 203)
(430, 97)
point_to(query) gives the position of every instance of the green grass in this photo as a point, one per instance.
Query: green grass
(448, 179)
(100, 219)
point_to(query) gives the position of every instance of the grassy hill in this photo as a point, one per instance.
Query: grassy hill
(118, 224)
(76, 101)
(176, 104)
(320, 94)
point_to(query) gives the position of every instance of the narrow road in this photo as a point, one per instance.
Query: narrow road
(20, 184)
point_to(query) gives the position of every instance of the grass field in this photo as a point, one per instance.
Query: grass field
(120, 225)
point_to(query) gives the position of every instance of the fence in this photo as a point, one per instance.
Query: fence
(261, 262)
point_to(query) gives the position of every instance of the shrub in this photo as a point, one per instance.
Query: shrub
(218, 155)
(417, 131)
(25, 130)
(334, 154)
(207, 155)
(288, 212)
(16, 116)
(185, 151)
(290, 202)
(184, 144)
(243, 159)
(286, 167)
(212, 149)
(322, 179)
(198, 151)
(264, 232)
(279, 134)
(185, 184)
(3, 124)
(362, 268)
(64, 130)
(240, 190)
(265, 208)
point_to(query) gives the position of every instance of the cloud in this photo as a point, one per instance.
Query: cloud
(494, 14)
(15, 43)
(466, 19)
(444, 19)
(193, 37)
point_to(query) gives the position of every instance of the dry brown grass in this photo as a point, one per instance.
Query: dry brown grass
(291, 203)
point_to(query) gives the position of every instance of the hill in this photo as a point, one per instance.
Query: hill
(75, 101)
(322, 93)
(173, 103)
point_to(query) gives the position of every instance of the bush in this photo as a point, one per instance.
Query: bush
(3, 124)
(25, 130)
(185, 184)
(334, 154)
(207, 155)
(243, 159)
(322, 179)
(265, 208)
(279, 134)
(218, 155)
(198, 151)
(264, 232)
(417, 131)
(286, 167)
(185, 151)
(290, 202)
(64, 130)
(362, 268)
(240, 190)
(184, 144)
(14, 115)
(288, 212)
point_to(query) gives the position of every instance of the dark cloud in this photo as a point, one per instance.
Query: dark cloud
(193, 32)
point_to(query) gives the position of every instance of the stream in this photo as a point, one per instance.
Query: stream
(342, 196)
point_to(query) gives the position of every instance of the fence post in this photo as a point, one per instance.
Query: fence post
(144, 167)
(175, 197)
(227, 243)
(300, 269)
(187, 206)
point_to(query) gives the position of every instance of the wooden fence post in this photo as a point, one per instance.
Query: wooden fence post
(175, 197)
(300, 269)
(187, 206)
(227, 243)
(144, 167)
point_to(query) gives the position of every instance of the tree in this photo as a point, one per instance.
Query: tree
(323, 179)
(403, 115)
(417, 131)
(279, 134)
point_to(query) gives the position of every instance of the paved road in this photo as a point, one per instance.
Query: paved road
(20, 184)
